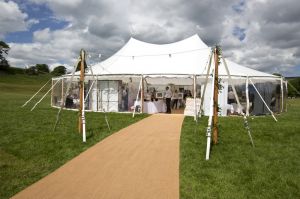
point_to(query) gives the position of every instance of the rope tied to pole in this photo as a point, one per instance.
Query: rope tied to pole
(246, 124)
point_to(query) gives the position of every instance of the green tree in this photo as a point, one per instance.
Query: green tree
(4, 48)
(294, 87)
(32, 70)
(59, 70)
(277, 74)
(42, 68)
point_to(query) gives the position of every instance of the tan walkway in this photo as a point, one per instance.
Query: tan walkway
(140, 161)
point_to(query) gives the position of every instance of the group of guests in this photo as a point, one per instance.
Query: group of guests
(172, 99)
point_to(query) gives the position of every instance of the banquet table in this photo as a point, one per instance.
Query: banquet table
(155, 107)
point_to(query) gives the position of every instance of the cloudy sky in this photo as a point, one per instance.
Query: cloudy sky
(261, 34)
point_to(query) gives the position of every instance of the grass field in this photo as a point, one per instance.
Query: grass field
(235, 169)
(29, 149)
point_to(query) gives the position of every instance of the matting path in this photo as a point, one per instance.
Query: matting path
(139, 161)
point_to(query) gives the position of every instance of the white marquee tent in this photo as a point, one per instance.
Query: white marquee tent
(182, 64)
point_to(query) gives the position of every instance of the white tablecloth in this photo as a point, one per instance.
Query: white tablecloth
(154, 107)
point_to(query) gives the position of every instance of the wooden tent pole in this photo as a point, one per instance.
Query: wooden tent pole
(216, 92)
(81, 82)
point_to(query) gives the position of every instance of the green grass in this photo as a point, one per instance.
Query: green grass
(29, 150)
(235, 169)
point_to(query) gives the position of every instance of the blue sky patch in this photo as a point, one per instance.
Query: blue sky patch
(239, 33)
(43, 14)
(240, 6)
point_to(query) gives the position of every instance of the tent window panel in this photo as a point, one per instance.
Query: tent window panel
(57, 93)
(92, 101)
(108, 95)
(270, 91)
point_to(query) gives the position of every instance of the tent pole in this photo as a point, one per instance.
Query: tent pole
(281, 88)
(142, 95)
(247, 96)
(83, 119)
(137, 97)
(195, 93)
(205, 85)
(97, 93)
(87, 95)
(216, 92)
(286, 91)
(209, 125)
(37, 93)
(246, 124)
(263, 100)
(52, 94)
(62, 88)
(81, 90)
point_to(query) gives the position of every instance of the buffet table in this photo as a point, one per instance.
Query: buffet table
(153, 107)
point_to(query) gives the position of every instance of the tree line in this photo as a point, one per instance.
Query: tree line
(32, 70)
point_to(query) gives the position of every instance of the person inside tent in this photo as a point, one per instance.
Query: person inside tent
(231, 97)
(148, 96)
(175, 100)
(69, 102)
(168, 96)
(153, 95)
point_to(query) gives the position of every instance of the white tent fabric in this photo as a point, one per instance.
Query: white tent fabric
(187, 57)
(169, 64)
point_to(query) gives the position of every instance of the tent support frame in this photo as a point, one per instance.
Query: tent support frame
(247, 97)
(246, 124)
(137, 96)
(37, 93)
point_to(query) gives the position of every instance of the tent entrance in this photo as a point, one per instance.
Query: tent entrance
(182, 89)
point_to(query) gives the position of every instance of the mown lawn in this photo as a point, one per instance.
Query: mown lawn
(235, 169)
(29, 150)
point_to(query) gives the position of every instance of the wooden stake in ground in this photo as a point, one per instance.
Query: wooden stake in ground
(81, 87)
(216, 92)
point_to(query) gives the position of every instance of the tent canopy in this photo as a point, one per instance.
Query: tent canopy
(187, 57)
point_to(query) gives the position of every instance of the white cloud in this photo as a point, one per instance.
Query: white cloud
(11, 18)
(271, 43)
(42, 35)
